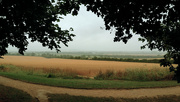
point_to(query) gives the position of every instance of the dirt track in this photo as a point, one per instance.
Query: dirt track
(40, 91)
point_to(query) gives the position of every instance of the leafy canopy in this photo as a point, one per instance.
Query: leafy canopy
(21, 20)
(156, 21)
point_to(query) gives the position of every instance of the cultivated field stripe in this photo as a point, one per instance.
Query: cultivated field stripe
(82, 67)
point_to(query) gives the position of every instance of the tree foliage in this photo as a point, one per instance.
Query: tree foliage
(21, 20)
(156, 21)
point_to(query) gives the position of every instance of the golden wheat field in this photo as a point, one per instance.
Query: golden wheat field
(82, 67)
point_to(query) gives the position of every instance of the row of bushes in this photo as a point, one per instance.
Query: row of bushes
(92, 57)
(155, 74)
(128, 60)
(83, 57)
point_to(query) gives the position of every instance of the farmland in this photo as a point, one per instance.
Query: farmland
(83, 74)
(82, 67)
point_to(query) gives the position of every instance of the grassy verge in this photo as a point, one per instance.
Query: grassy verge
(44, 72)
(89, 83)
(69, 80)
(69, 98)
(8, 94)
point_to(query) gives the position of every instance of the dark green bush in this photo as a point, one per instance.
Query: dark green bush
(154, 74)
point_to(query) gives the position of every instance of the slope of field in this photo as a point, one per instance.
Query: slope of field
(82, 67)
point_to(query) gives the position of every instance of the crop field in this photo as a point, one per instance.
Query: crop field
(80, 74)
(88, 68)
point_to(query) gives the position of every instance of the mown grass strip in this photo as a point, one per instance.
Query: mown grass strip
(88, 83)
(69, 98)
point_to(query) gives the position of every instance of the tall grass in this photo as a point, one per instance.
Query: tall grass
(44, 72)
(141, 74)
(51, 72)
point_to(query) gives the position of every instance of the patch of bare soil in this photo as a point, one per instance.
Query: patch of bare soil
(40, 91)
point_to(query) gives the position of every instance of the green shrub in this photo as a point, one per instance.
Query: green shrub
(50, 75)
(140, 74)
(99, 76)
(2, 67)
(109, 73)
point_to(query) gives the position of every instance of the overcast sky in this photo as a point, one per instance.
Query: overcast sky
(89, 36)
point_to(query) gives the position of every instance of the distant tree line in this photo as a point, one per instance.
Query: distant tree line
(96, 57)
(90, 57)
(127, 59)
